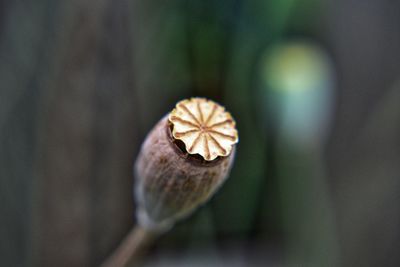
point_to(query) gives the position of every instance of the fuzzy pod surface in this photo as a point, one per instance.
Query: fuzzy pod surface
(184, 159)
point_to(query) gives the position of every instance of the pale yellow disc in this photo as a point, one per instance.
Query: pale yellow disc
(204, 127)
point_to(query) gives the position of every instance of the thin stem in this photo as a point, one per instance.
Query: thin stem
(132, 248)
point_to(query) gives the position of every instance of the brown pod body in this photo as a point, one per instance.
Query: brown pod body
(171, 182)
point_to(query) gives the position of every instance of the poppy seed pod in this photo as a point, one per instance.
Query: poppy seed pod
(183, 161)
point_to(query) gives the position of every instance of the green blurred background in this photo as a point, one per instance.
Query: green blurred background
(314, 86)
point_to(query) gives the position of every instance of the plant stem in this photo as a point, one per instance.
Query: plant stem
(129, 252)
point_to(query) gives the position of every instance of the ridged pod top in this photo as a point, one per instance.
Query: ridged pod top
(204, 127)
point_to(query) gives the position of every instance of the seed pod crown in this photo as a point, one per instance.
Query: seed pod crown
(204, 127)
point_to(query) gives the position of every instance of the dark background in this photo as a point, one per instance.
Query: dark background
(314, 87)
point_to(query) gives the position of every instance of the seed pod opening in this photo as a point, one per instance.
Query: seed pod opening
(183, 161)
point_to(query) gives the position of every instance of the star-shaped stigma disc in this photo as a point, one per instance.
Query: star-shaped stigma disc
(204, 127)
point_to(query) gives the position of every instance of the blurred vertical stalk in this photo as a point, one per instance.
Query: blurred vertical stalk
(64, 157)
(297, 80)
(23, 35)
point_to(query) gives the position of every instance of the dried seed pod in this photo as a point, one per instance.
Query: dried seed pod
(183, 161)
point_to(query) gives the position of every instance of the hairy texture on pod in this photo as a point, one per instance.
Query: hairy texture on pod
(170, 182)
